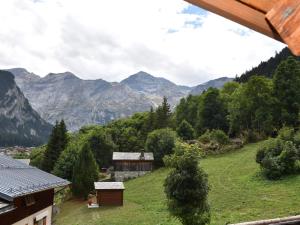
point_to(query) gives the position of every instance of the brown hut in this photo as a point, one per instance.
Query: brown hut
(109, 193)
(132, 164)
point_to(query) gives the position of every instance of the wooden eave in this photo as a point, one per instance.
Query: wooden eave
(278, 19)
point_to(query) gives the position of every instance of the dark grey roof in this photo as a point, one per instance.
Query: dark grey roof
(18, 179)
(132, 156)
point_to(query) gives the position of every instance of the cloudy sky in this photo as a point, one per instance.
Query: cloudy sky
(112, 39)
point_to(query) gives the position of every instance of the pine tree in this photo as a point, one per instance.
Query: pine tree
(63, 134)
(163, 114)
(85, 173)
(51, 153)
(150, 123)
(57, 143)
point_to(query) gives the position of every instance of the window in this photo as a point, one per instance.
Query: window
(29, 200)
(41, 222)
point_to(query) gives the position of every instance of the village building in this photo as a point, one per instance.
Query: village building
(109, 193)
(26, 193)
(131, 164)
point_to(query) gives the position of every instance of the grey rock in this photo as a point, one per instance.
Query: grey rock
(82, 102)
(20, 124)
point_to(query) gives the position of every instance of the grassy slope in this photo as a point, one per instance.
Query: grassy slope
(238, 193)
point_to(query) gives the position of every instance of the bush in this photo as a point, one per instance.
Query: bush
(205, 138)
(180, 149)
(37, 156)
(186, 188)
(277, 158)
(286, 133)
(186, 131)
(214, 136)
(219, 137)
(161, 142)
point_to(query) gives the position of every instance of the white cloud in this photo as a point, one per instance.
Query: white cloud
(113, 39)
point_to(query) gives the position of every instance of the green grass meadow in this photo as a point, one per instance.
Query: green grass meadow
(238, 193)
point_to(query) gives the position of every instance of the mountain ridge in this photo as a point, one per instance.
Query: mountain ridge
(81, 102)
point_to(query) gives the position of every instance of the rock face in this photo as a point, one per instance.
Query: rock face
(20, 124)
(82, 102)
(217, 83)
(156, 87)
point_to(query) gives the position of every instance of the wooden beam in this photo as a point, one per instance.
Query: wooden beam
(285, 18)
(261, 5)
(240, 13)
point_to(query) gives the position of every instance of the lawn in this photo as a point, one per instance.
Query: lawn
(238, 193)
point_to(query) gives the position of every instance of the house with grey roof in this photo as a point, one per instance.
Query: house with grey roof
(129, 165)
(26, 193)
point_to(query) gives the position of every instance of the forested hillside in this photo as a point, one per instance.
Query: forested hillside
(266, 68)
(249, 111)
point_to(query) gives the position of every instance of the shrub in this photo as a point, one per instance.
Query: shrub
(277, 157)
(180, 149)
(286, 133)
(37, 156)
(186, 131)
(219, 137)
(186, 188)
(205, 138)
(161, 142)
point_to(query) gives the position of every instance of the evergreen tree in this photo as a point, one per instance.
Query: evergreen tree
(56, 144)
(52, 150)
(150, 123)
(187, 189)
(63, 134)
(186, 131)
(212, 112)
(163, 114)
(85, 173)
(287, 92)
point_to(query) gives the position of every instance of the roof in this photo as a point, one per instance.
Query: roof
(18, 179)
(26, 161)
(131, 156)
(109, 186)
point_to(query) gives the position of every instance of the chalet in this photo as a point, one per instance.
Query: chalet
(26, 193)
(131, 164)
(109, 193)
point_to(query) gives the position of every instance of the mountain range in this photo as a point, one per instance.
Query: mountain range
(82, 102)
(20, 124)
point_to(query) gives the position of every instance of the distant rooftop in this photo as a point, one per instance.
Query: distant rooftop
(109, 186)
(18, 179)
(132, 156)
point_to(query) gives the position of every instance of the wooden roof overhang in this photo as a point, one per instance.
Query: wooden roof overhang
(278, 19)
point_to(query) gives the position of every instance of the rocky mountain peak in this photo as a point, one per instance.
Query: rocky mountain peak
(19, 123)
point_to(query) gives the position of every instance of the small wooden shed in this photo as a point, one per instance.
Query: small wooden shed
(109, 193)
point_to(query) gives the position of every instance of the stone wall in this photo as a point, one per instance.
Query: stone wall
(125, 175)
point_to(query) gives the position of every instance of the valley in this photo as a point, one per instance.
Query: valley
(238, 193)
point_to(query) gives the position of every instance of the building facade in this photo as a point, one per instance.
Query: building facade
(129, 165)
(26, 193)
(109, 193)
